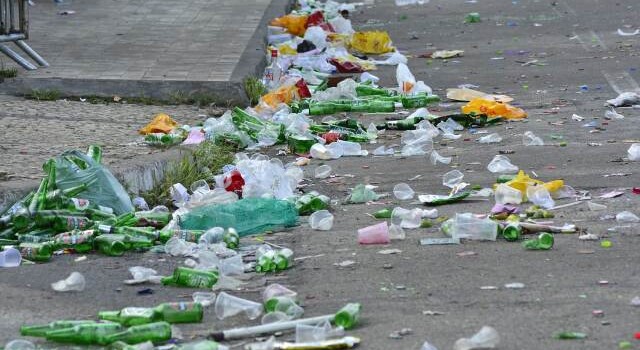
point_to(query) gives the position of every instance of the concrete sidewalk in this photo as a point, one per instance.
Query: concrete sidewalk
(150, 48)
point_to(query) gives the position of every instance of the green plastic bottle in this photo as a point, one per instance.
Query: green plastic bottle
(182, 312)
(186, 277)
(348, 316)
(155, 332)
(41, 330)
(80, 241)
(40, 252)
(85, 334)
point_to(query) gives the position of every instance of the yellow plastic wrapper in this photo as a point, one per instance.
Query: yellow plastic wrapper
(284, 94)
(522, 181)
(372, 42)
(161, 123)
(295, 24)
(493, 109)
(286, 50)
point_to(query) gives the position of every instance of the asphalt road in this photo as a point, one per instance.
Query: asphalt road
(577, 45)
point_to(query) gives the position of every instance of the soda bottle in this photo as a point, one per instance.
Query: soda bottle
(512, 232)
(419, 101)
(80, 241)
(154, 332)
(283, 259)
(36, 251)
(182, 312)
(348, 316)
(231, 238)
(186, 277)
(41, 330)
(300, 144)
(85, 334)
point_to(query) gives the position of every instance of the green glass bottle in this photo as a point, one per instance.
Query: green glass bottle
(505, 178)
(155, 332)
(404, 124)
(187, 235)
(368, 90)
(265, 259)
(34, 205)
(57, 199)
(110, 244)
(80, 241)
(37, 236)
(543, 242)
(41, 330)
(63, 223)
(186, 277)
(95, 152)
(8, 233)
(374, 106)
(300, 144)
(155, 219)
(85, 334)
(348, 316)
(383, 214)
(283, 259)
(231, 238)
(512, 232)
(140, 232)
(354, 137)
(182, 312)
(40, 252)
(419, 101)
(98, 214)
(5, 242)
(311, 202)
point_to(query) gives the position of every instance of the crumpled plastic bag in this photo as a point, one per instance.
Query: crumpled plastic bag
(407, 82)
(103, 188)
(493, 109)
(466, 94)
(362, 194)
(625, 99)
(372, 42)
(522, 181)
(295, 24)
(161, 123)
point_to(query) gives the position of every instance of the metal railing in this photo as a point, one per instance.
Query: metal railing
(14, 27)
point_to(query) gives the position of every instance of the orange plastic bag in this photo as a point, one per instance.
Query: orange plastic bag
(161, 123)
(493, 109)
(284, 94)
(295, 24)
(372, 42)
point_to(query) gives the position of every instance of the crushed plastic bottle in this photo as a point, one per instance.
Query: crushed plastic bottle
(529, 139)
(491, 138)
(321, 220)
(362, 194)
(204, 298)
(486, 338)
(403, 191)
(228, 305)
(74, 283)
(634, 152)
(142, 274)
(502, 164)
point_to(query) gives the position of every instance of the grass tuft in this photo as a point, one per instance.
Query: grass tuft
(254, 89)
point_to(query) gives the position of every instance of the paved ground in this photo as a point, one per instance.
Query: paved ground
(146, 47)
(576, 40)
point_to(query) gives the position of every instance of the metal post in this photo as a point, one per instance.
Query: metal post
(32, 53)
(14, 56)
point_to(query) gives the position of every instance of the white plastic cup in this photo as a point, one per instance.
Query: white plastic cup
(10, 257)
